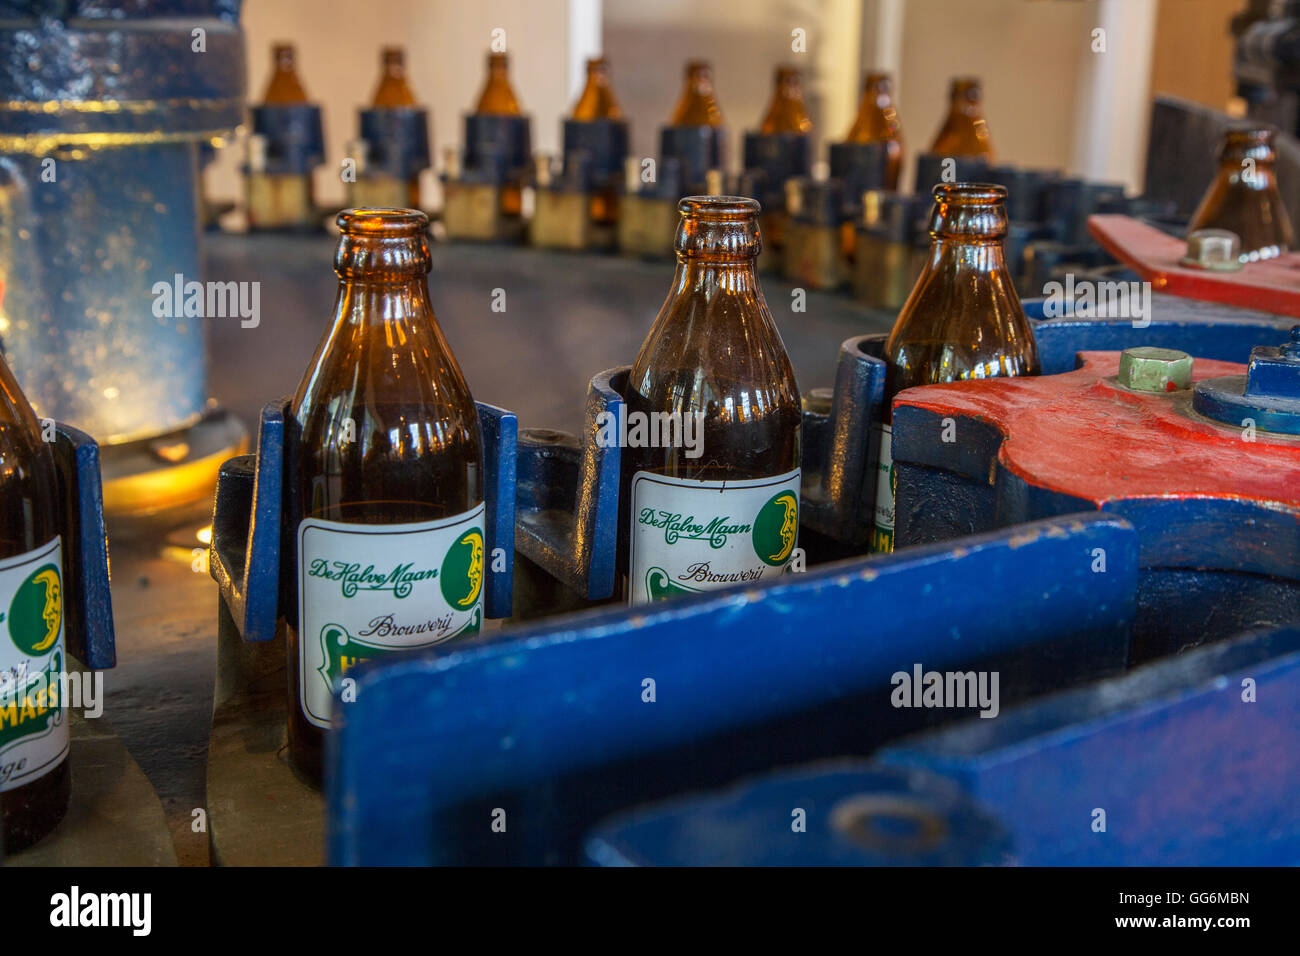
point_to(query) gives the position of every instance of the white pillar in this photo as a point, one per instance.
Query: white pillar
(882, 36)
(584, 42)
(1113, 105)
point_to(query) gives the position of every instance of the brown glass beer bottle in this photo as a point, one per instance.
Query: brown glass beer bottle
(498, 99)
(385, 477)
(34, 778)
(965, 131)
(698, 106)
(1244, 196)
(786, 113)
(284, 89)
(877, 122)
(963, 319)
(597, 100)
(712, 420)
(393, 91)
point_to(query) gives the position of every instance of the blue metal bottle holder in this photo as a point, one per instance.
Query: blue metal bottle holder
(245, 555)
(88, 604)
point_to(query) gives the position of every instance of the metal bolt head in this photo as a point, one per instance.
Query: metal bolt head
(1218, 250)
(1149, 369)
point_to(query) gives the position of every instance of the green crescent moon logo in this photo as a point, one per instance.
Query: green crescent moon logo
(36, 612)
(462, 570)
(775, 528)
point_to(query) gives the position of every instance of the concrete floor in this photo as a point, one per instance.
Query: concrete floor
(567, 317)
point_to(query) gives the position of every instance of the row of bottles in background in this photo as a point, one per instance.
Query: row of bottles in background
(964, 131)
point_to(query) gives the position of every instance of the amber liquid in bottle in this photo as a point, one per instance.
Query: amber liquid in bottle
(383, 443)
(597, 103)
(877, 122)
(698, 105)
(724, 511)
(965, 131)
(34, 777)
(498, 99)
(963, 319)
(284, 89)
(786, 113)
(1244, 196)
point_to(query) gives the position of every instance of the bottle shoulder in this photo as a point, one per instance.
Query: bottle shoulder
(701, 353)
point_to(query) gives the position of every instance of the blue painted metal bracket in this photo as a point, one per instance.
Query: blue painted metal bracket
(553, 723)
(567, 506)
(1201, 329)
(839, 455)
(244, 558)
(1185, 770)
(245, 555)
(88, 602)
(855, 814)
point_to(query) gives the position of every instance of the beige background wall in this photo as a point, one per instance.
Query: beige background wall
(1032, 55)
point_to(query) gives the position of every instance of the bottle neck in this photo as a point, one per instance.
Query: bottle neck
(951, 255)
(710, 276)
(389, 304)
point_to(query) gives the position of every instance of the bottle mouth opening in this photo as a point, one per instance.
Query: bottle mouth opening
(970, 194)
(382, 223)
(719, 208)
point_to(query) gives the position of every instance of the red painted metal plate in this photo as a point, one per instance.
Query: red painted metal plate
(1271, 286)
(1083, 434)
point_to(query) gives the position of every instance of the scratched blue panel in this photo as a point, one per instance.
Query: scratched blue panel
(854, 814)
(88, 601)
(1186, 771)
(1201, 329)
(247, 516)
(551, 719)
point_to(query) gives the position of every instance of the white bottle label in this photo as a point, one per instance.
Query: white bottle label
(689, 536)
(33, 722)
(367, 590)
(882, 535)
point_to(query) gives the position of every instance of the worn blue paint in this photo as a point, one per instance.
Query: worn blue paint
(1187, 772)
(88, 603)
(245, 557)
(548, 722)
(1267, 395)
(1201, 329)
(84, 249)
(567, 506)
(854, 814)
